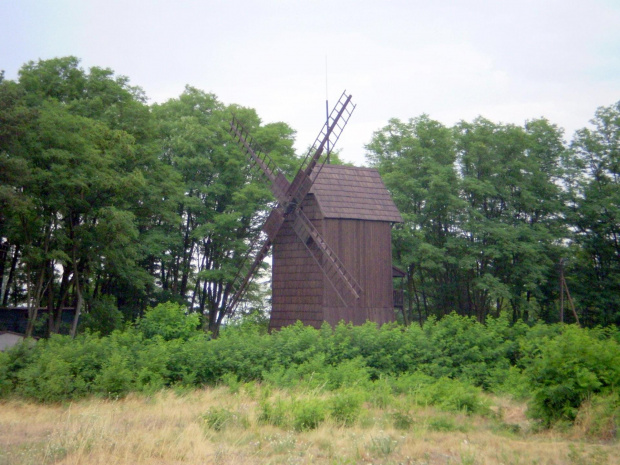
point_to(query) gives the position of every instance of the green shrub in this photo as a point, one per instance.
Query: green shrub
(152, 362)
(61, 368)
(232, 382)
(6, 386)
(402, 420)
(316, 373)
(571, 368)
(345, 406)
(308, 414)
(169, 321)
(115, 378)
(274, 413)
(411, 383)
(103, 317)
(452, 395)
(513, 382)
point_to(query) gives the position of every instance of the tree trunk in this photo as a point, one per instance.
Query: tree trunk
(78, 292)
(9, 281)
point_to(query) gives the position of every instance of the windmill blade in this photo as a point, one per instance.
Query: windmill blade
(254, 257)
(246, 272)
(278, 184)
(328, 136)
(339, 277)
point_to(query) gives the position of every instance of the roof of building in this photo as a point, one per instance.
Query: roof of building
(353, 193)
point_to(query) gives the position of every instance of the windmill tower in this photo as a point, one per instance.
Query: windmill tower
(331, 234)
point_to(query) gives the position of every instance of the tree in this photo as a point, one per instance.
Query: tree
(594, 274)
(222, 208)
(417, 162)
(73, 217)
(482, 207)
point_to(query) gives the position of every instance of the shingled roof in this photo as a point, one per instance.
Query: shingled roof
(353, 193)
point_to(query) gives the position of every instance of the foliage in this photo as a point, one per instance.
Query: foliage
(345, 406)
(490, 210)
(447, 364)
(169, 321)
(572, 367)
(308, 414)
(594, 193)
(103, 316)
(107, 201)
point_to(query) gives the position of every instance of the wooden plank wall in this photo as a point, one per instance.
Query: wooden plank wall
(365, 248)
(297, 281)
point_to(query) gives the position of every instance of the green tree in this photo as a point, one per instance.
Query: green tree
(417, 162)
(73, 217)
(594, 187)
(483, 210)
(222, 207)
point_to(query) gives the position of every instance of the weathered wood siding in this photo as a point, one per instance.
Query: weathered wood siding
(365, 249)
(297, 281)
(353, 211)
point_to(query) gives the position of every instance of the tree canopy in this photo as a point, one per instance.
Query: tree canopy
(111, 205)
(103, 195)
(494, 211)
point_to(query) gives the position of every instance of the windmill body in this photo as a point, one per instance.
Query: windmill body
(331, 234)
(353, 212)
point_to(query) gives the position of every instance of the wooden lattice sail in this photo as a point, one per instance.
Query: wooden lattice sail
(331, 236)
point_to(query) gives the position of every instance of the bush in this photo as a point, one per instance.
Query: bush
(5, 382)
(219, 419)
(275, 414)
(345, 406)
(103, 316)
(308, 414)
(452, 395)
(61, 368)
(169, 321)
(571, 368)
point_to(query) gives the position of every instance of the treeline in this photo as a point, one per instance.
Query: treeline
(557, 368)
(498, 217)
(108, 204)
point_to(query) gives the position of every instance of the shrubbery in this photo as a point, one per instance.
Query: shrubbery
(446, 363)
(571, 368)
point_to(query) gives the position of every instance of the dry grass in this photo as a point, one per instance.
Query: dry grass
(170, 428)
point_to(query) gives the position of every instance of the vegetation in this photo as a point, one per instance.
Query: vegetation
(138, 215)
(110, 205)
(492, 211)
(449, 364)
(214, 425)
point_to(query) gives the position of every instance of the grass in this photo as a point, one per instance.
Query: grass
(217, 426)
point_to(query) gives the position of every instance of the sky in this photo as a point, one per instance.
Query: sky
(508, 61)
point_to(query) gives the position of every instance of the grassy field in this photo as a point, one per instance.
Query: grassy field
(226, 426)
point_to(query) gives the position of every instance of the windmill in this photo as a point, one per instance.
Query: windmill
(310, 281)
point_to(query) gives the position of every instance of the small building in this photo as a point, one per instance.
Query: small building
(9, 339)
(353, 212)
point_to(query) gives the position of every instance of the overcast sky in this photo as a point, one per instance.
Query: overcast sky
(506, 60)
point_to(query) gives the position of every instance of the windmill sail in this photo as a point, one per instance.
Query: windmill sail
(278, 184)
(342, 281)
(290, 196)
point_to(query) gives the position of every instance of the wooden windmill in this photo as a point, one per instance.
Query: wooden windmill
(331, 234)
